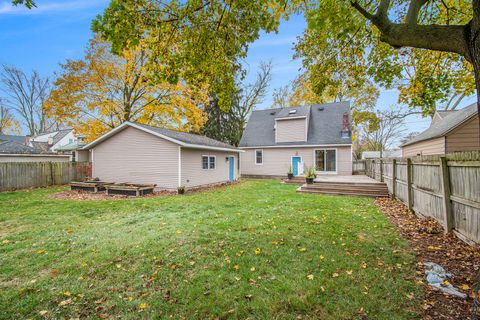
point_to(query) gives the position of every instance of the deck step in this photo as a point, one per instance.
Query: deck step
(325, 186)
(344, 193)
(346, 188)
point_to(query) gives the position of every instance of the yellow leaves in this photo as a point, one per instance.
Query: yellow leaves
(6, 241)
(142, 306)
(349, 272)
(43, 313)
(40, 251)
(257, 251)
(465, 287)
(322, 288)
(310, 277)
(103, 90)
(321, 258)
(252, 269)
(67, 293)
(65, 302)
(178, 232)
(235, 267)
(302, 249)
(335, 275)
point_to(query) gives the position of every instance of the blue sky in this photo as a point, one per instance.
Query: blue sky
(57, 30)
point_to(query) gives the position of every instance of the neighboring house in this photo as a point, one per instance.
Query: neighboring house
(383, 154)
(138, 153)
(52, 141)
(11, 151)
(450, 131)
(13, 138)
(298, 137)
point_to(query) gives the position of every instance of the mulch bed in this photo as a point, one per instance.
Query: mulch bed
(429, 242)
(85, 195)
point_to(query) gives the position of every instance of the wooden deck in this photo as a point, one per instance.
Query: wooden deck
(355, 185)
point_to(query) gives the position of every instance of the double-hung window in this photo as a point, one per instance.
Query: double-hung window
(208, 162)
(326, 160)
(259, 156)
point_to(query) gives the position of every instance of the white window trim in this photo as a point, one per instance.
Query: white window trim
(208, 162)
(315, 160)
(255, 157)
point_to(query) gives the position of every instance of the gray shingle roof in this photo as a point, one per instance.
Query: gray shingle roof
(60, 134)
(11, 147)
(188, 137)
(325, 125)
(450, 121)
(17, 139)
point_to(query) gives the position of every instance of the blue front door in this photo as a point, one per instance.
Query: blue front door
(231, 168)
(295, 163)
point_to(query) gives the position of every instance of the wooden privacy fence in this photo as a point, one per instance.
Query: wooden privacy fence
(446, 188)
(20, 175)
(358, 167)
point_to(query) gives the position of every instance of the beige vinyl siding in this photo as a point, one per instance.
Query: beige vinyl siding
(277, 161)
(464, 138)
(292, 130)
(138, 157)
(432, 146)
(192, 173)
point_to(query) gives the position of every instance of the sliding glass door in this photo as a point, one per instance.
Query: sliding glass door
(326, 160)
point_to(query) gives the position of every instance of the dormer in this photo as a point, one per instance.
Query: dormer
(291, 125)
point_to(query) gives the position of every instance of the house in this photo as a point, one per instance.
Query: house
(383, 154)
(11, 151)
(143, 154)
(13, 138)
(451, 131)
(52, 141)
(316, 136)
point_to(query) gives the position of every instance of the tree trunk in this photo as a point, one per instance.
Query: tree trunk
(473, 42)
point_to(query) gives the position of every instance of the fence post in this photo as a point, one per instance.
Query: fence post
(394, 178)
(409, 185)
(381, 170)
(447, 204)
(52, 175)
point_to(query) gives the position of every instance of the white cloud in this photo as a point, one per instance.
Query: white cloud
(274, 41)
(6, 8)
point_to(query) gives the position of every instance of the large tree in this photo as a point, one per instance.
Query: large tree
(103, 90)
(444, 26)
(26, 95)
(426, 79)
(195, 40)
(228, 126)
(8, 123)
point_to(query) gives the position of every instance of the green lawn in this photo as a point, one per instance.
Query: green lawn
(255, 250)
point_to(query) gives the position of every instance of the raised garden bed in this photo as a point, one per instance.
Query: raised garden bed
(89, 185)
(130, 189)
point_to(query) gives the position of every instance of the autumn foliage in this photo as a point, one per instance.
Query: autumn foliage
(103, 90)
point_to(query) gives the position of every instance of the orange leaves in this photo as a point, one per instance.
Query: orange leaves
(103, 90)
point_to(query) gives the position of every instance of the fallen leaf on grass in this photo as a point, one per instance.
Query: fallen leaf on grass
(334, 275)
(310, 277)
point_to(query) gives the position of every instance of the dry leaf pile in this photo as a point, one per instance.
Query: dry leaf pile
(429, 242)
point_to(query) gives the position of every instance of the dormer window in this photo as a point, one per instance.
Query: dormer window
(292, 111)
